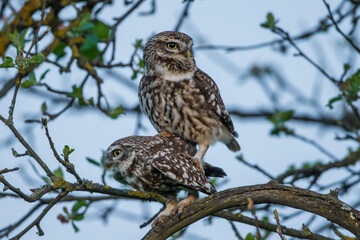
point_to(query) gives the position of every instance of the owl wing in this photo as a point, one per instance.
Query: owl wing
(211, 92)
(183, 171)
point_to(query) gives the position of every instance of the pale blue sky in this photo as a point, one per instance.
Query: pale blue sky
(210, 22)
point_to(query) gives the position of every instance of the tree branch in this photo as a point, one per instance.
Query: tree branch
(331, 208)
(36, 222)
(338, 29)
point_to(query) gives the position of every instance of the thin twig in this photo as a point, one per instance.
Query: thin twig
(338, 28)
(5, 231)
(152, 218)
(69, 166)
(315, 144)
(278, 228)
(268, 226)
(5, 170)
(319, 168)
(284, 35)
(184, 14)
(237, 234)
(35, 38)
(43, 213)
(29, 149)
(254, 166)
(252, 209)
(13, 101)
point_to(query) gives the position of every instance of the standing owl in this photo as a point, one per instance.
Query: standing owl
(160, 164)
(181, 99)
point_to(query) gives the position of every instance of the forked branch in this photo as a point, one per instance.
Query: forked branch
(327, 206)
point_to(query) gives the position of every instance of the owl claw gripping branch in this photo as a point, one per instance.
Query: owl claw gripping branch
(181, 99)
(158, 164)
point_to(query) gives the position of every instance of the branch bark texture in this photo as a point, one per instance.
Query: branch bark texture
(327, 206)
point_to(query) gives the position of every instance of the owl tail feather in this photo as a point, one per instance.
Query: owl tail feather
(212, 171)
(233, 145)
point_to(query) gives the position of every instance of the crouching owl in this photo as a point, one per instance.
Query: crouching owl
(181, 99)
(161, 165)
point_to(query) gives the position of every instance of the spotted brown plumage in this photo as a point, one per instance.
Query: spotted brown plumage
(181, 99)
(160, 164)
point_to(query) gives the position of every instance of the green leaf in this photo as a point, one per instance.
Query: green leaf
(13, 37)
(141, 63)
(213, 181)
(67, 151)
(332, 100)
(76, 93)
(285, 116)
(82, 101)
(89, 49)
(249, 236)
(74, 226)
(31, 81)
(85, 19)
(291, 167)
(59, 50)
(91, 101)
(101, 30)
(139, 44)
(278, 119)
(134, 76)
(43, 107)
(116, 112)
(306, 165)
(85, 27)
(17, 41)
(47, 180)
(59, 173)
(275, 131)
(22, 39)
(8, 63)
(32, 77)
(26, 84)
(281, 117)
(92, 161)
(270, 21)
(346, 67)
(78, 217)
(37, 59)
(352, 87)
(80, 203)
(44, 74)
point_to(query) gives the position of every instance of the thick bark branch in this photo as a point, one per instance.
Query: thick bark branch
(327, 206)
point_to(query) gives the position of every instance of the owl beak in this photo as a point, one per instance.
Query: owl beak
(187, 53)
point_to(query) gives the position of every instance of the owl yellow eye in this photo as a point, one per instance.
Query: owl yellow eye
(172, 45)
(116, 152)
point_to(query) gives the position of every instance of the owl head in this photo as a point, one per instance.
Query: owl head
(169, 54)
(119, 154)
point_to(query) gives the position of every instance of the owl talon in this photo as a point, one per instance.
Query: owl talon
(171, 206)
(158, 222)
(174, 211)
(185, 202)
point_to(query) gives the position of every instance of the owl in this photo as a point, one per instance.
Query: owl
(181, 99)
(160, 164)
